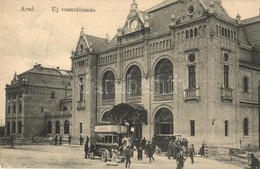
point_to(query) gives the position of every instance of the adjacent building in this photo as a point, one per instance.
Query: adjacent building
(36, 101)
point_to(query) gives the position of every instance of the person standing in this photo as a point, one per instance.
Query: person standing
(169, 150)
(12, 141)
(192, 153)
(87, 139)
(50, 140)
(254, 162)
(180, 159)
(80, 140)
(139, 153)
(151, 149)
(128, 155)
(143, 143)
(86, 150)
(56, 139)
(60, 140)
(69, 139)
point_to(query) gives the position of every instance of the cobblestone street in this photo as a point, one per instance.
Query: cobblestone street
(47, 156)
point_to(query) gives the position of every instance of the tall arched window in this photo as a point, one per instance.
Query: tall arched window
(245, 84)
(49, 127)
(245, 127)
(14, 127)
(133, 81)
(19, 127)
(108, 87)
(164, 121)
(57, 127)
(163, 77)
(66, 127)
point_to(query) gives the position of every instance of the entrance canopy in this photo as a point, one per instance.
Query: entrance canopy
(129, 112)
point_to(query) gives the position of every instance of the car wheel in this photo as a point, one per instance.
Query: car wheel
(104, 156)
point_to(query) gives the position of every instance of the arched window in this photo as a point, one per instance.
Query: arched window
(163, 77)
(133, 81)
(57, 127)
(164, 121)
(195, 32)
(19, 127)
(245, 84)
(8, 128)
(49, 127)
(64, 108)
(187, 34)
(14, 127)
(245, 127)
(108, 87)
(66, 127)
(191, 33)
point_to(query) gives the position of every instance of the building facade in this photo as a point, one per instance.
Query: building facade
(36, 100)
(190, 66)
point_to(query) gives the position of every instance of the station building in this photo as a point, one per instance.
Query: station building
(185, 66)
(181, 67)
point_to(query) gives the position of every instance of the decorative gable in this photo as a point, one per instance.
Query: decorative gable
(83, 46)
(192, 9)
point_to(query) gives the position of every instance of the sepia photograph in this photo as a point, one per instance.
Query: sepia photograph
(108, 84)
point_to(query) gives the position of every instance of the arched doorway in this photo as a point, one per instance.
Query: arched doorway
(132, 115)
(57, 127)
(163, 121)
(66, 127)
(49, 127)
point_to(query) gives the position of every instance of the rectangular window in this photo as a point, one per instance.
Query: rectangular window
(81, 89)
(8, 109)
(192, 127)
(52, 95)
(226, 128)
(80, 127)
(192, 77)
(226, 76)
(20, 108)
(14, 110)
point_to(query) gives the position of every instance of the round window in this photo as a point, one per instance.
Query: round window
(191, 10)
(191, 58)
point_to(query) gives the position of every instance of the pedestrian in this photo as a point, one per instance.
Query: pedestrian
(180, 159)
(114, 153)
(143, 143)
(69, 139)
(86, 150)
(60, 140)
(169, 150)
(128, 155)
(50, 140)
(81, 140)
(254, 162)
(201, 151)
(56, 139)
(12, 141)
(192, 153)
(139, 153)
(87, 139)
(151, 149)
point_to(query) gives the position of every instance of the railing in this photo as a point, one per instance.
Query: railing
(81, 104)
(192, 94)
(226, 94)
(162, 97)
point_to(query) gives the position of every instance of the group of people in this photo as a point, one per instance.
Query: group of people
(57, 138)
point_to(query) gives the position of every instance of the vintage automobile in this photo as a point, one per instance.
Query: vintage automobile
(106, 136)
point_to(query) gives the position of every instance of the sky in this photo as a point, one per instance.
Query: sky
(47, 37)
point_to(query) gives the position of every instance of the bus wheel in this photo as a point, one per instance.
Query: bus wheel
(104, 156)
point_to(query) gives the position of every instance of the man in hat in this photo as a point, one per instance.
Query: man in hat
(254, 162)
